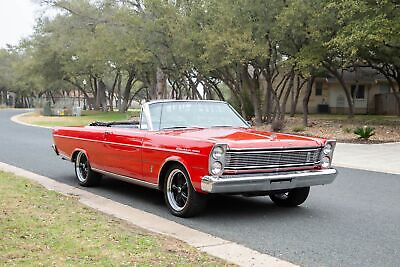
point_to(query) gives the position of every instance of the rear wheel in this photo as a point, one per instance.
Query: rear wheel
(85, 175)
(292, 198)
(181, 199)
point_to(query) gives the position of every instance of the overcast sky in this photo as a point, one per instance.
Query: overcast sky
(17, 18)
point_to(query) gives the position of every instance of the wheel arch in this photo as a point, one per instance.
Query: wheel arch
(166, 166)
(76, 152)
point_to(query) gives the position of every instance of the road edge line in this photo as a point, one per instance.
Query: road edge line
(215, 246)
(15, 119)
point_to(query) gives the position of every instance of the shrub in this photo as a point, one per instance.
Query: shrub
(364, 132)
(297, 129)
(277, 125)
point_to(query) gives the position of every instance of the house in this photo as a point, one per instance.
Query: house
(370, 92)
(7, 98)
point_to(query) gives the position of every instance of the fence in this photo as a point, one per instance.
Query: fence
(386, 104)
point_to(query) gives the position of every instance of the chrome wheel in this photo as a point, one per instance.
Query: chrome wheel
(177, 190)
(82, 167)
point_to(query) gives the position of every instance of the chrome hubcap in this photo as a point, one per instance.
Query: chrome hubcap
(177, 190)
(82, 167)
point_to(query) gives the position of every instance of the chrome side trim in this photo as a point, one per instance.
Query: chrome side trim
(266, 182)
(121, 144)
(127, 179)
(65, 157)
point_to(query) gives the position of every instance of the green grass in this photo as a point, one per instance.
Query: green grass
(86, 118)
(41, 227)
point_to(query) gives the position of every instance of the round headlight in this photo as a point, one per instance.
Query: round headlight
(217, 152)
(327, 149)
(325, 162)
(216, 168)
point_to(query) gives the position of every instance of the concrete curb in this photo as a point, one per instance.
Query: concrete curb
(16, 120)
(218, 247)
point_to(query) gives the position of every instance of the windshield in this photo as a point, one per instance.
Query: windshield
(202, 114)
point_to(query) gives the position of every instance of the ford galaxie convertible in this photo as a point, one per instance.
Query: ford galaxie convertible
(190, 149)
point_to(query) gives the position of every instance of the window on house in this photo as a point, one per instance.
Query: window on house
(358, 92)
(318, 88)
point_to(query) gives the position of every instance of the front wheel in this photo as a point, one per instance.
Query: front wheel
(181, 199)
(292, 198)
(85, 175)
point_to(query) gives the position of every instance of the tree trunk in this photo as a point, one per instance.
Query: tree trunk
(346, 90)
(292, 97)
(397, 95)
(127, 92)
(111, 97)
(296, 100)
(285, 98)
(119, 88)
(268, 97)
(161, 85)
(306, 99)
(101, 101)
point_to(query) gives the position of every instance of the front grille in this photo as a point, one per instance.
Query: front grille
(265, 159)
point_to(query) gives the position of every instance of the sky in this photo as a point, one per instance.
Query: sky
(17, 19)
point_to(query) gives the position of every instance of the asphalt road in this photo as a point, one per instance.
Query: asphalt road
(353, 222)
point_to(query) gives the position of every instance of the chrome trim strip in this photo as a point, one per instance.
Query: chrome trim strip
(127, 179)
(267, 182)
(97, 141)
(121, 144)
(65, 157)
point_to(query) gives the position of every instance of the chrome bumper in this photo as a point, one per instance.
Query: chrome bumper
(266, 182)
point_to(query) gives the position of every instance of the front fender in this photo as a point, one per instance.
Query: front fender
(195, 169)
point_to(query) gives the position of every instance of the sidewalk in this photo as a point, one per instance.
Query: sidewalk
(371, 157)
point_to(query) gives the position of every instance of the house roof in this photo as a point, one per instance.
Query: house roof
(365, 75)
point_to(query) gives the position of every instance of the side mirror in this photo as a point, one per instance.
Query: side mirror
(250, 123)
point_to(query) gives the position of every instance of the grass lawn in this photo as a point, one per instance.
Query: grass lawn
(41, 227)
(86, 118)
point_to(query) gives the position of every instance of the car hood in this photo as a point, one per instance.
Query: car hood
(241, 138)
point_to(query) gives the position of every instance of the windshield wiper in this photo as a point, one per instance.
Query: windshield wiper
(221, 126)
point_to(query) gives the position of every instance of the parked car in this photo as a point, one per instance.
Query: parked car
(190, 149)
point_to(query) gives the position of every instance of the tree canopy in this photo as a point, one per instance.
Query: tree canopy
(256, 54)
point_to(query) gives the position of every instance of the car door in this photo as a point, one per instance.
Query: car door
(123, 149)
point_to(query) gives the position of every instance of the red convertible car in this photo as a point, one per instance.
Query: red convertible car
(189, 149)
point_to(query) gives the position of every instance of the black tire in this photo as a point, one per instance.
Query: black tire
(84, 173)
(180, 197)
(292, 198)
